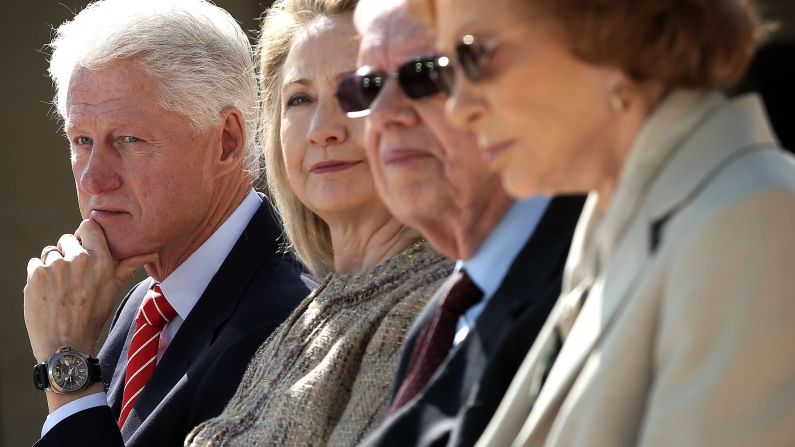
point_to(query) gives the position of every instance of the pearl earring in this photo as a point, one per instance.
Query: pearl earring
(618, 101)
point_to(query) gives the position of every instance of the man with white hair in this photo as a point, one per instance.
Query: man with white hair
(159, 105)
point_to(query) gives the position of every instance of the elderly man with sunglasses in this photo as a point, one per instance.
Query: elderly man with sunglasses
(466, 346)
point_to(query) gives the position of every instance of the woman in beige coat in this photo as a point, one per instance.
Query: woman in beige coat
(675, 326)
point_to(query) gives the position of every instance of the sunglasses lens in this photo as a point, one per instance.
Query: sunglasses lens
(419, 78)
(471, 56)
(443, 76)
(356, 92)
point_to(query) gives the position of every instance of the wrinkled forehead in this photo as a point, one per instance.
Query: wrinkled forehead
(391, 37)
(118, 87)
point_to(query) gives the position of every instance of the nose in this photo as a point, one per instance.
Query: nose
(392, 108)
(464, 107)
(99, 173)
(328, 125)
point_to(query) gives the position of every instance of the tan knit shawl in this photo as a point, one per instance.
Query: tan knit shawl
(324, 376)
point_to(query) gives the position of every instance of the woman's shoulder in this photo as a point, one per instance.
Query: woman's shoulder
(417, 258)
(762, 179)
(417, 265)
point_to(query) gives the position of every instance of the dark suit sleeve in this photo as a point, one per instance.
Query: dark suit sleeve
(88, 428)
(254, 291)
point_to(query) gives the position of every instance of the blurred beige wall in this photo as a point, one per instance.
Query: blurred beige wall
(36, 188)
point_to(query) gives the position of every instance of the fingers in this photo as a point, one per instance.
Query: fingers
(69, 298)
(92, 238)
(49, 252)
(46, 250)
(33, 264)
(69, 246)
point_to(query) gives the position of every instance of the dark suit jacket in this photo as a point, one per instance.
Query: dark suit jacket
(457, 404)
(255, 289)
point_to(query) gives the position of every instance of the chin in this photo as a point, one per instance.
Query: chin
(519, 186)
(119, 253)
(414, 174)
(417, 208)
(121, 249)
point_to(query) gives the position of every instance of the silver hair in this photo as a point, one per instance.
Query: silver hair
(197, 52)
(370, 10)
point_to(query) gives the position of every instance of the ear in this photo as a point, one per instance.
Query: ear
(233, 140)
(619, 88)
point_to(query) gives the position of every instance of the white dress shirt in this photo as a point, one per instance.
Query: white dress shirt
(182, 288)
(490, 263)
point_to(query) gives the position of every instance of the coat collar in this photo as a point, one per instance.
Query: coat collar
(730, 130)
(120, 336)
(535, 268)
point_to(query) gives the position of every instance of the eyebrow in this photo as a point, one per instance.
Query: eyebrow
(306, 82)
(345, 74)
(135, 122)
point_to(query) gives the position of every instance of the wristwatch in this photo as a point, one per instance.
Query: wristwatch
(67, 371)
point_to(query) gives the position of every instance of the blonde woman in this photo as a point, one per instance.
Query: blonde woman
(324, 377)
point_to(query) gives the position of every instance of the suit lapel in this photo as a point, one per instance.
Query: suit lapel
(113, 356)
(212, 311)
(595, 316)
(533, 270)
(677, 181)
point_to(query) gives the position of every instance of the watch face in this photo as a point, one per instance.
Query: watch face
(69, 372)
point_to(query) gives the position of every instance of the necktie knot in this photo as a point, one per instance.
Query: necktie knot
(155, 310)
(463, 294)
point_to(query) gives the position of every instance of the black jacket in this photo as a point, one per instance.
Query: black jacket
(456, 405)
(255, 289)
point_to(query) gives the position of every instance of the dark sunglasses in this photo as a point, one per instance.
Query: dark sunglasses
(417, 78)
(472, 57)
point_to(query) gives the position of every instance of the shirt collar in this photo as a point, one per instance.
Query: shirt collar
(494, 257)
(186, 284)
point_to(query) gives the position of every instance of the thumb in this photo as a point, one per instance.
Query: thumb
(127, 266)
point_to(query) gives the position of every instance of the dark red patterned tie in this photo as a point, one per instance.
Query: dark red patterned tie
(154, 313)
(436, 338)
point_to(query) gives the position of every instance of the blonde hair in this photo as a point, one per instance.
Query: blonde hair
(307, 233)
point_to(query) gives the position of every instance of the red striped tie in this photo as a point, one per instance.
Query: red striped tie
(152, 316)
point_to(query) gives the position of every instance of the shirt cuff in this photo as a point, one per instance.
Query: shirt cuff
(73, 407)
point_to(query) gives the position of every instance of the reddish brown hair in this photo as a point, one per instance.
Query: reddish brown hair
(679, 43)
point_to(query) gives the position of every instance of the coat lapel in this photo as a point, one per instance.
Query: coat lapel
(597, 312)
(530, 275)
(113, 356)
(532, 272)
(699, 156)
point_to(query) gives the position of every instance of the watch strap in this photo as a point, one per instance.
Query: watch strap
(94, 371)
(40, 379)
